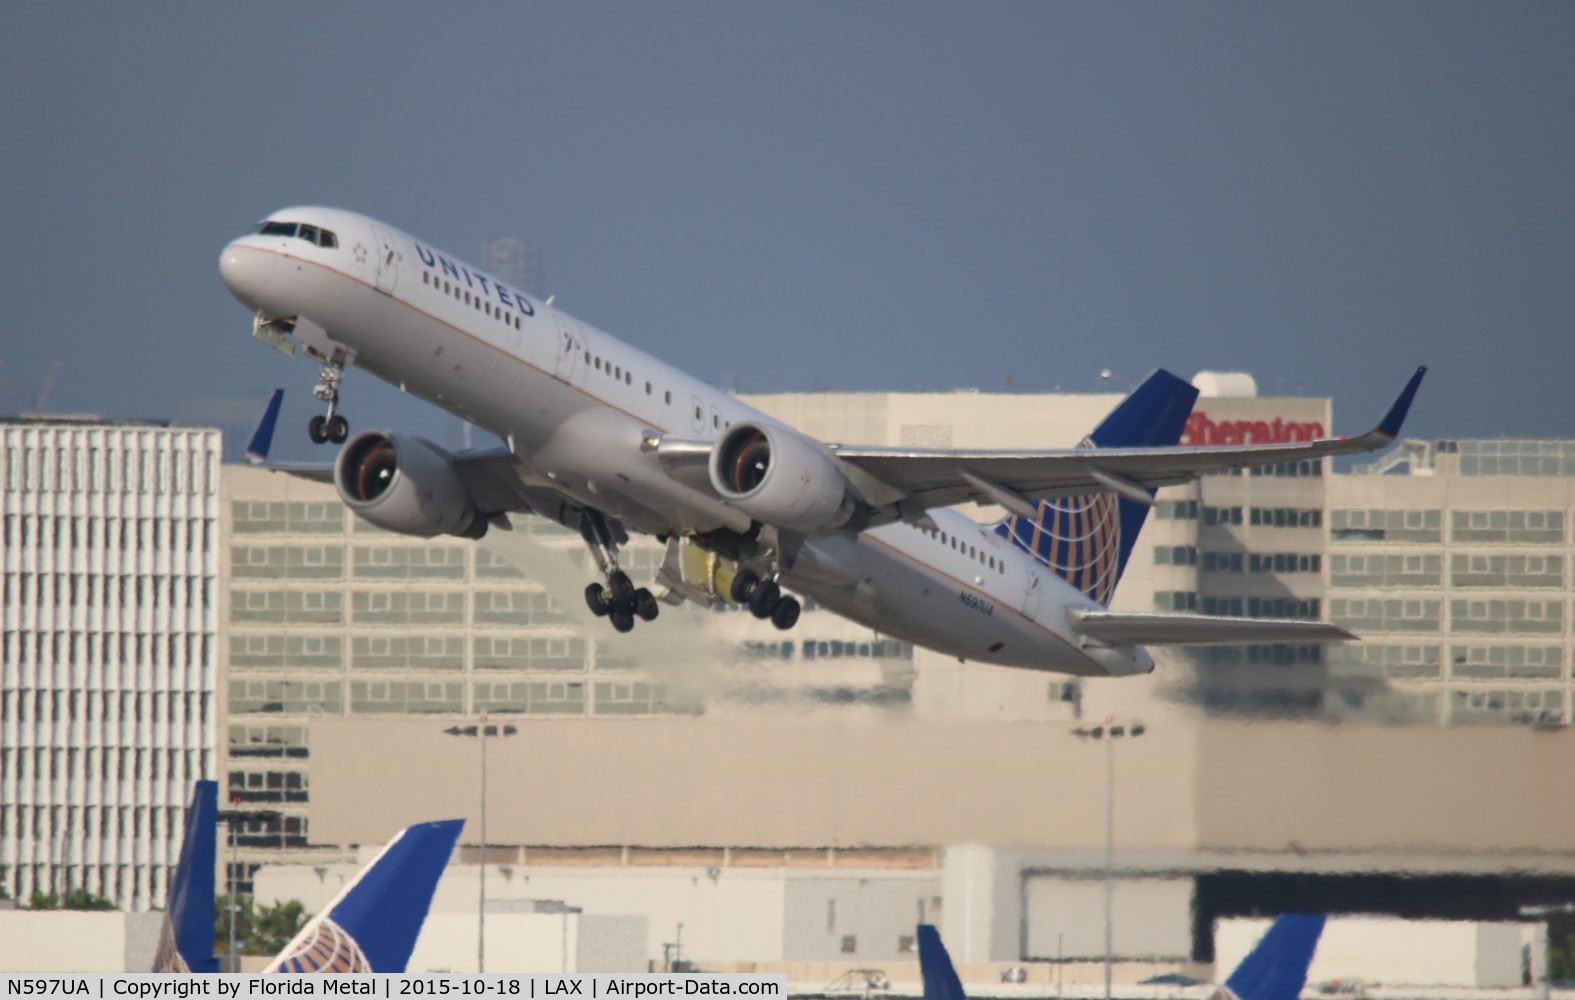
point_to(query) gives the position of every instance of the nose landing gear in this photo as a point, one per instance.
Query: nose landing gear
(331, 426)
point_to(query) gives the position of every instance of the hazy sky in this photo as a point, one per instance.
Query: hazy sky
(814, 195)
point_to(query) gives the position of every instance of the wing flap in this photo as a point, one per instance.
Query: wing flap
(1128, 628)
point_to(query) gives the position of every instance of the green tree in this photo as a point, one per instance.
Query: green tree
(257, 932)
(244, 919)
(41, 900)
(1561, 959)
(81, 899)
(276, 926)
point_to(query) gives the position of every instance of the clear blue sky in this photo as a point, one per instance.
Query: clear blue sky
(812, 195)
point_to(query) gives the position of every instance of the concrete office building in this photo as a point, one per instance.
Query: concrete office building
(1452, 559)
(107, 710)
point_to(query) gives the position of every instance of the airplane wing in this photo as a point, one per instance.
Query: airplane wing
(1016, 480)
(491, 475)
(1126, 628)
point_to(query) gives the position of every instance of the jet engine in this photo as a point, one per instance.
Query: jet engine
(405, 484)
(780, 478)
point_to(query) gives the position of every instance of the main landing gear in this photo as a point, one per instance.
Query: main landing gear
(331, 426)
(620, 602)
(764, 599)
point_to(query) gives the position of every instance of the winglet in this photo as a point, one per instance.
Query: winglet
(940, 976)
(262, 437)
(1389, 427)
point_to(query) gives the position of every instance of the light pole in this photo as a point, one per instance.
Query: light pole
(229, 952)
(232, 819)
(481, 733)
(1109, 733)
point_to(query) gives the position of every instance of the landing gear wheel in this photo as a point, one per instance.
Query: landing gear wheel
(596, 600)
(337, 429)
(645, 604)
(622, 587)
(743, 586)
(786, 614)
(316, 429)
(622, 619)
(763, 602)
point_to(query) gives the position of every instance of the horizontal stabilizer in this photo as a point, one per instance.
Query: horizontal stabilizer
(1127, 628)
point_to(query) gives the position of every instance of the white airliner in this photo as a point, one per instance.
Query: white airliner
(607, 440)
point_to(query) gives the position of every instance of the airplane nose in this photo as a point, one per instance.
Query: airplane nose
(245, 272)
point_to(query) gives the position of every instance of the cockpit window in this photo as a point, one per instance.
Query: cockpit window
(305, 231)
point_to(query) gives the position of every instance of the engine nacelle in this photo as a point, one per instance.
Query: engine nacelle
(405, 484)
(780, 478)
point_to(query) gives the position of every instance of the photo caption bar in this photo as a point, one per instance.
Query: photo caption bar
(167, 986)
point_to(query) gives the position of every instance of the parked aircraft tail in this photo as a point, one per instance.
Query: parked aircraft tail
(1277, 968)
(1086, 539)
(1274, 970)
(372, 925)
(935, 965)
(186, 938)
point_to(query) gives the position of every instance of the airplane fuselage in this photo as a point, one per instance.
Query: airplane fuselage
(580, 410)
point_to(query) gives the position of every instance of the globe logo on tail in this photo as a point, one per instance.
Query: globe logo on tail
(1078, 538)
(326, 949)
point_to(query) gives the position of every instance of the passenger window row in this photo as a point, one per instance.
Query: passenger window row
(481, 305)
(973, 552)
(510, 319)
(627, 378)
(616, 371)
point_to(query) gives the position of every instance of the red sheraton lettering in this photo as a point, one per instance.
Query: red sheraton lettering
(1200, 430)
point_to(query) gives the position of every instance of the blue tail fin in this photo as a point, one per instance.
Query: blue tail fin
(372, 925)
(1277, 968)
(186, 939)
(262, 434)
(940, 976)
(1086, 540)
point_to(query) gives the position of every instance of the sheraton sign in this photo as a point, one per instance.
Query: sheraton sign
(1200, 430)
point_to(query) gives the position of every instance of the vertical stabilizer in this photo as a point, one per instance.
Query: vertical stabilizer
(1277, 968)
(1086, 540)
(372, 925)
(940, 976)
(186, 939)
(262, 435)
